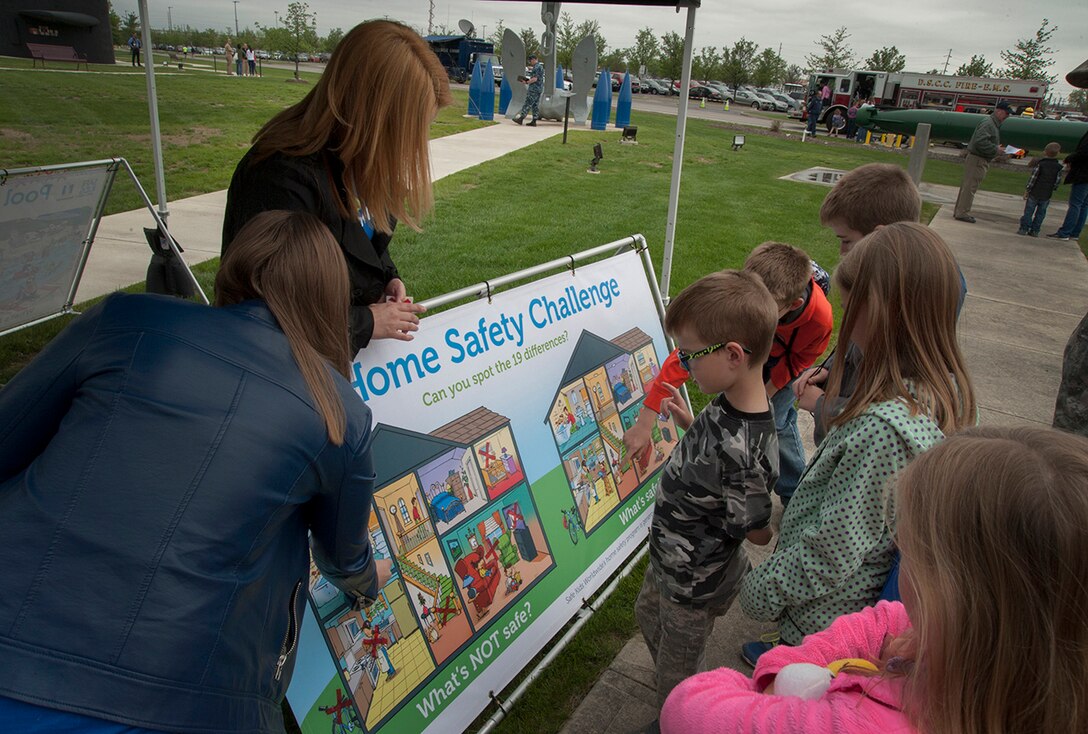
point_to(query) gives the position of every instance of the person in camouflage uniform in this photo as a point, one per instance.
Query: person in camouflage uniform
(1071, 407)
(715, 487)
(532, 94)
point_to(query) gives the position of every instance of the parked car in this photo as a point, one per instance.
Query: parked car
(749, 98)
(772, 103)
(653, 86)
(725, 91)
(789, 101)
(701, 91)
(617, 82)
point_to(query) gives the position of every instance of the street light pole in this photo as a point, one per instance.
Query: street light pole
(235, 18)
(169, 18)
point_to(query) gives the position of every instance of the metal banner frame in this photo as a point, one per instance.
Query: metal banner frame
(111, 166)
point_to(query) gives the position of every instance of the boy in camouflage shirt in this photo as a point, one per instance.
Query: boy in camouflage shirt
(715, 488)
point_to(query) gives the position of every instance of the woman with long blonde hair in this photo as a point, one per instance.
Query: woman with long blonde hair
(901, 287)
(355, 153)
(990, 637)
(161, 466)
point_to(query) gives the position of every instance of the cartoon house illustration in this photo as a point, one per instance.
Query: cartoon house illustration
(598, 399)
(455, 514)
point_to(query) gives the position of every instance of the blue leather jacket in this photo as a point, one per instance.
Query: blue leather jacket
(160, 465)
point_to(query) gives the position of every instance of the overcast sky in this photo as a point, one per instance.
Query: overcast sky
(923, 30)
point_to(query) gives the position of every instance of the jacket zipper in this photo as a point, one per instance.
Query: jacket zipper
(291, 638)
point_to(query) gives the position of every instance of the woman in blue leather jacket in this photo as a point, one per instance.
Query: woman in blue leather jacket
(161, 465)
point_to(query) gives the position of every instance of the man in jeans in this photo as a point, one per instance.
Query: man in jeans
(985, 145)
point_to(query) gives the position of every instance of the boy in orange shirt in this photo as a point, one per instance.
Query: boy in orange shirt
(802, 335)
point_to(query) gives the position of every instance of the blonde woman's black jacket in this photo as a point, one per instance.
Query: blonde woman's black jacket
(309, 183)
(161, 463)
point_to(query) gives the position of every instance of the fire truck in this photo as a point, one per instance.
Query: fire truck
(925, 92)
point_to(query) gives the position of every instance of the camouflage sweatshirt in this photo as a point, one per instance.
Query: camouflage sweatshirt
(714, 488)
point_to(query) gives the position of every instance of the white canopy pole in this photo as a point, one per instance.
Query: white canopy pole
(678, 154)
(153, 108)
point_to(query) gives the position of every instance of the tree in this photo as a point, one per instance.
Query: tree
(1028, 59)
(566, 39)
(1078, 98)
(297, 33)
(672, 55)
(115, 27)
(592, 28)
(708, 64)
(131, 24)
(738, 62)
(532, 43)
(330, 41)
(835, 52)
(886, 59)
(795, 73)
(496, 37)
(645, 50)
(977, 66)
(769, 69)
(615, 60)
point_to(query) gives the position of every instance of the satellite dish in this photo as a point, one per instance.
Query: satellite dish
(466, 27)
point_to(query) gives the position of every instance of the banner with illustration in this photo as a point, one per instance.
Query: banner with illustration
(45, 217)
(503, 496)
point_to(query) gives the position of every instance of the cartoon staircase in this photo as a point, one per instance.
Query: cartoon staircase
(417, 576)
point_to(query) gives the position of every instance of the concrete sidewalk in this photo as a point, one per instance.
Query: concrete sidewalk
(120, 255)
(1025, 295)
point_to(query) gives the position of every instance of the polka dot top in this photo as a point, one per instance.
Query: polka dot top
(835, 549)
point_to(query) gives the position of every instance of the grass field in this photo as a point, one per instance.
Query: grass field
(528, 207)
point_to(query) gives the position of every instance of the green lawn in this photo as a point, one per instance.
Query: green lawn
(530, 206)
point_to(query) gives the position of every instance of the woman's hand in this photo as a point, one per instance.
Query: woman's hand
(395, 319)
(395, 291)
(675, 406)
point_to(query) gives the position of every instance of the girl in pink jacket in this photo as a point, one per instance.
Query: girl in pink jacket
(993, 526)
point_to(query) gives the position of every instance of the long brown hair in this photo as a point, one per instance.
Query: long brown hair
(993, 527)
(290, 261)
(372, 108)
(905, 280)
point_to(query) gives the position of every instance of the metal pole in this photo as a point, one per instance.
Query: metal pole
(153, 108)
(918, 153)
(678, 155)
(235, 19)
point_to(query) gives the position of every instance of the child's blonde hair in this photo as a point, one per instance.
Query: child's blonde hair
(906, 282)
(872, 195)
(785, 270)
(729, 305)
(1052, 149)
(993, 527)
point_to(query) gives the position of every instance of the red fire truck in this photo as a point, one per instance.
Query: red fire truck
(925, 91)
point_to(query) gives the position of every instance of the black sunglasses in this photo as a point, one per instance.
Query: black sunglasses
(686, 357)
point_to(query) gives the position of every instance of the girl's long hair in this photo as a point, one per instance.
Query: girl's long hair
(372, 108)
(905, 280)
(290, 261)
(993, 527)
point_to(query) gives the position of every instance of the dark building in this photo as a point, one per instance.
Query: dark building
(82, 24)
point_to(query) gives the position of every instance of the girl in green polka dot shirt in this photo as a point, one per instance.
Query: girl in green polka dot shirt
(900, 287)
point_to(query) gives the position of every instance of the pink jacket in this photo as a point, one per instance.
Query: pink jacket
(724, 700)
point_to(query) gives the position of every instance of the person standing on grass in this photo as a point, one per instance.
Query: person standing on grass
(251, 60)
(135, 44)
(355, 152)
(240, 61)
(984, 147)
(228, 51)
(166, 469)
